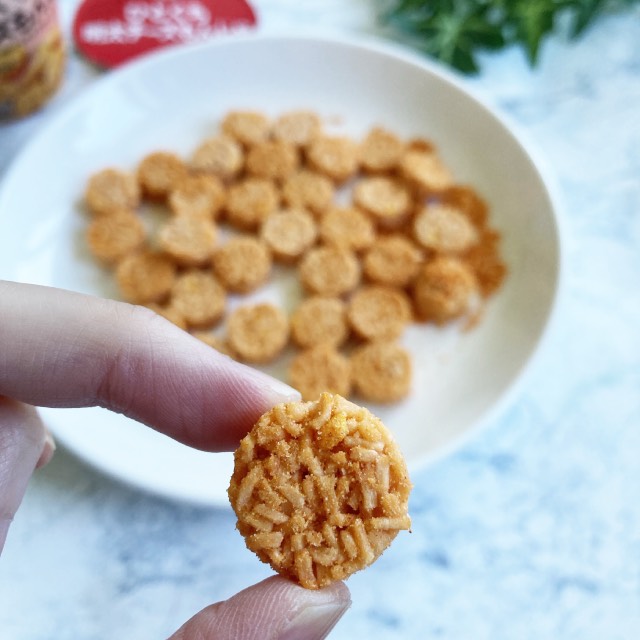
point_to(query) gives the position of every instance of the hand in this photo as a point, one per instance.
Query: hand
(62, 349)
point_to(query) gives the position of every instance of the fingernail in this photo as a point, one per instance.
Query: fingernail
(4, 530)
(48, 450)
(275, 390)
(313, 622)
(281, 392)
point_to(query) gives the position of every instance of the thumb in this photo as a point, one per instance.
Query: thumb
(274, 609)
(24, 445)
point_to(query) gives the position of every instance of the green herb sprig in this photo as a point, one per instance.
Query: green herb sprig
(455, 31)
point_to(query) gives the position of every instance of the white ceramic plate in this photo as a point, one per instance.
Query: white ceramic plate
(174, 99)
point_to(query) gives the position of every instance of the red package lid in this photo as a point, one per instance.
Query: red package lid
(111, 32)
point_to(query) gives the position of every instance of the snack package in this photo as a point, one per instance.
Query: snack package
(32, 55)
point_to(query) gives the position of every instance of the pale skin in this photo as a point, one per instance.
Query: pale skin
(62, 349)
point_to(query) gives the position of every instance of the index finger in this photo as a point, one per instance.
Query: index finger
(64, 349)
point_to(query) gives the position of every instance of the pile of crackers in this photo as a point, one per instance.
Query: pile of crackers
(377, 229)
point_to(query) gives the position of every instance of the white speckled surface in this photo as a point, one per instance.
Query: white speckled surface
(531, 531)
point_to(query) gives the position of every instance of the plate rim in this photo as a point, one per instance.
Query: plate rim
(401, 53)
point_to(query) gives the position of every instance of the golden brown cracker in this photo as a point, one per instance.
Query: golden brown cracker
(320, 369)
(330, 271)
(347, 227)
(145, 277)
(272, 159)
(381, 372)
(220, 155)
(297, 127)
(320, 320)
(242, 264)
(377, 312)
(250, 201)
(289, 233)
(385, 198)
(189, 240)
(443, 229)
(199, 298)
(199, 195)
(320, 489)
(160, 172)
(443, 290)
(111, 190)
(334, 156)
(258, 333)
(393, 260)
(380, 151)
(310, 190)
(247, 127)
(111, 237)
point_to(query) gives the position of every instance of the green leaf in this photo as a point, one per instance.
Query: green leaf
(456, 31)
(531, 21)
(464, 61)
(454, 36)
(584, 14)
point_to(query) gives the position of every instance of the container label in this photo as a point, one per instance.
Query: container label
(111, 32)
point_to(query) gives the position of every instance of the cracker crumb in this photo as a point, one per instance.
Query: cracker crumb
(466, 199)
(486, 262)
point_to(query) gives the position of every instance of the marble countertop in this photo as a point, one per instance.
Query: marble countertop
(532, 530)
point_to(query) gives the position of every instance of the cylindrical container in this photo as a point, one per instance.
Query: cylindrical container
(32, 55)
